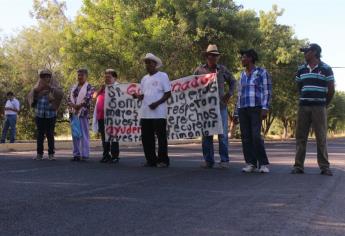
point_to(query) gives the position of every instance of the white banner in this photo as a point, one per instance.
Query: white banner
(193, 110)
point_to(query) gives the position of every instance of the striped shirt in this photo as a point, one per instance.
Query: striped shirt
(313, 84)
(254, 90)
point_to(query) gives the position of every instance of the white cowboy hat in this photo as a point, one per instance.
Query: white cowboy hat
(150, 56)
(212, 49)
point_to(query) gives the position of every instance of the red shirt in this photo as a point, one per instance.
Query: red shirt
(100, 105)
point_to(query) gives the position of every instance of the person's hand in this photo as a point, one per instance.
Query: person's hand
(264, 114)
(95, 94)
(138, 96)
(40, 87)
(44, 84)
(154, 105)
(78, 107)
(236, 120)
(226, 98)
(72, 105)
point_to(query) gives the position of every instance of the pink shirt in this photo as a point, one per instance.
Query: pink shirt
(100, 105)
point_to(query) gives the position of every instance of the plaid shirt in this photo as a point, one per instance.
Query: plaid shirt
(254, 90)
(44, 109)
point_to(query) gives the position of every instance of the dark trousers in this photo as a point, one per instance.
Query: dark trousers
(149, 129)
(45, 128)
(252, 143)
(112, 147)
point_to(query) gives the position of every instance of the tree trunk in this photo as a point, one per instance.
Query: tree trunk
(267, 123)
(286, 128)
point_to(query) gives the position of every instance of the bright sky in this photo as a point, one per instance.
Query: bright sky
(318, 20)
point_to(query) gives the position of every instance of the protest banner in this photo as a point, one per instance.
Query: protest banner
(193, 110)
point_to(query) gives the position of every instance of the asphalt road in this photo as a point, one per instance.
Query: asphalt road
(64, 198)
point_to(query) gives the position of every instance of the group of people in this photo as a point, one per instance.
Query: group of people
(314, 79)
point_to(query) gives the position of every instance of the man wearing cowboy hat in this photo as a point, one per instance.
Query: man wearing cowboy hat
(223, 77)
(155, 91)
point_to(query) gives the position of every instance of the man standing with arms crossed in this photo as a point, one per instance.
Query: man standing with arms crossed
(11, 111)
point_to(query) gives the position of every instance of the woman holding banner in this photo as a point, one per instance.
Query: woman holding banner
(98, 124)
(79, 104)
(155, 91)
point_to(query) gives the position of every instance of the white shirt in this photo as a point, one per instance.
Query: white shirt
(153, 87)
(14, 104)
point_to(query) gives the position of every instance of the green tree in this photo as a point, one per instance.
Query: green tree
(34, 48)
(118, 33)
(279, 51)
(336, 113)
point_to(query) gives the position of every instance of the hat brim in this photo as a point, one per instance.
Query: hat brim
(212, 53)
(41, 74)
(158, 63)
(304, 49)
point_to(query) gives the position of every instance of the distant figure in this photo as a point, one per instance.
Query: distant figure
(253, 102)
(11, 112)
(79, 104)
(110, 149)
(155, 91)
(226, 88)
(45, 98)
(315, 82)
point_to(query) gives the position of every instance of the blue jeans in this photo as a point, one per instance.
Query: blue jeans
(207, 142)
(10, 122)
(252, 143)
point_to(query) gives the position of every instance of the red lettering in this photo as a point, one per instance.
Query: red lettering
(195, 83)
(116, 130)
(185, 86)
(176, 87)
(132, 89)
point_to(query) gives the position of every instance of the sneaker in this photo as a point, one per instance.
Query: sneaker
(327, 172)
(297, 171)
(105, 159)
(224, 165)
(146, 164)
(39, 157)
(76, 158)
(249, 168)
(114, 160)
(162, 165)
(207, 165)
(51, 157)
(264, 169)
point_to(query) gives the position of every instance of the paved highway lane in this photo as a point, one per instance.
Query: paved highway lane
(65, 198)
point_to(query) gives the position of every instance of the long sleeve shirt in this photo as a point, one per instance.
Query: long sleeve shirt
(224, 77)
(254, 90)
